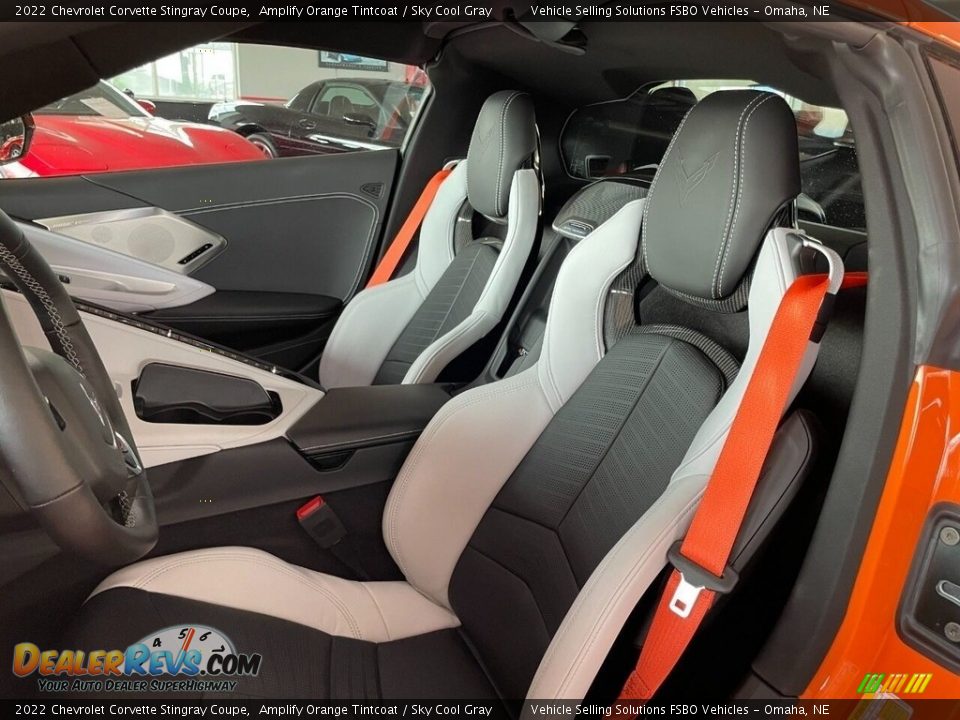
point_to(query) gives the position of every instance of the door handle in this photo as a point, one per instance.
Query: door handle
(949, 591)
(81, 279)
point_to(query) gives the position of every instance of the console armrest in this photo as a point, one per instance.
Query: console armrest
(355, 417)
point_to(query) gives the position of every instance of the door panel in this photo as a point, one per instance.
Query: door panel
(292, 225)
(121, 281)
(283, 328)
(314, 244)
(300, 235)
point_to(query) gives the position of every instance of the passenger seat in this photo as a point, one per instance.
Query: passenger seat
(409, 329)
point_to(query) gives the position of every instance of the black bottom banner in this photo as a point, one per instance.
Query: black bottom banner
(890, 708)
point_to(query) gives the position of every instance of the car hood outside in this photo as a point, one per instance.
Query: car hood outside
(67, 144)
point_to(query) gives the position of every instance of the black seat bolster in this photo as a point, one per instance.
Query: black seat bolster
(787, 466)
(450, 301)
(297, 661)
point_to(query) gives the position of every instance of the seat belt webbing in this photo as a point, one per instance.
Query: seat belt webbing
(394, 255)
(705, 551)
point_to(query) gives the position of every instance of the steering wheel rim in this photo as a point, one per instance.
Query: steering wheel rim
(65, 443)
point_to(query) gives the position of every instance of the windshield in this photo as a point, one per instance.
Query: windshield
(102, 100)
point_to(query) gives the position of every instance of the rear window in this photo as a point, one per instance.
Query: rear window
(630, 136)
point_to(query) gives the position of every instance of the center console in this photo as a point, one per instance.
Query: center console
(348, 447)
(350, 420)
(350, 438)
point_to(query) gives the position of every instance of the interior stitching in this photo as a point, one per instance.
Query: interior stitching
(503, 146)
(508, 243)
(740, 183)
(734, 192)
(66, 343)
(653, 187)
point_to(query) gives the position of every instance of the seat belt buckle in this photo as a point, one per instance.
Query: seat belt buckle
(694, 579)
(321, 522)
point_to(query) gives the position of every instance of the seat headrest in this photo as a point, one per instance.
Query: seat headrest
(731, 167)
(340, 106)
(504, 140)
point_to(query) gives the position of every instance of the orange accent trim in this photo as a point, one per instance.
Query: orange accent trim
(854, 279)
(720, 515)
(398, 248)
(925, 470)
(717, 521)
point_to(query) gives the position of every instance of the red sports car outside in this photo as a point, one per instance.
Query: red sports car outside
(102, 129)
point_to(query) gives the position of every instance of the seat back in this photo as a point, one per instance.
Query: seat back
(585, 211)
(540, 508)
(409, 329)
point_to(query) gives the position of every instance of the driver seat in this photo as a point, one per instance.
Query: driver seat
(533, 513)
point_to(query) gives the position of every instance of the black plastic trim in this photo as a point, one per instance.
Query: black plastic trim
(255, 476)
(356, 417)
(175, 394)
(915, 601)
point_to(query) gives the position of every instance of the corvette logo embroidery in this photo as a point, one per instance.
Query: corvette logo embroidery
(689, 181)
(897, 683)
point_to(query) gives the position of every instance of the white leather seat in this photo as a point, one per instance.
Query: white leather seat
(408, 330)
(533, 513)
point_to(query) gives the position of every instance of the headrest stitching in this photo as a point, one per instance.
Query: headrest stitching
(503, 144)
(653, 187)
(736, 214)
(734, 190)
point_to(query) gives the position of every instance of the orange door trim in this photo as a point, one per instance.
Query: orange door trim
(925, 471)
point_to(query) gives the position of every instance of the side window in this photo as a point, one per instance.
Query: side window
(345, 98)
(303, 99)
(630, 136)
(225, 102)
(351, 108)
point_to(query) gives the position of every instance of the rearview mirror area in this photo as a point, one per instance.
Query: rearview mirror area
(15, 137)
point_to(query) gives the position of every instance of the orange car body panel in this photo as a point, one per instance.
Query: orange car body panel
(915, 14)
(946, 32)
(925, 471)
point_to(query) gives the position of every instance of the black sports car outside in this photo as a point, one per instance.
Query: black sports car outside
(327, 116)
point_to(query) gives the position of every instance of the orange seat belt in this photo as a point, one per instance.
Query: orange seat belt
(394, 255)
(701, 570)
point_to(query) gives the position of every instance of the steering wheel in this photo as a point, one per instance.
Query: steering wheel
(66, 450)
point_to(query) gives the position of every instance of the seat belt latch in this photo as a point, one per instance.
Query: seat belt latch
(321, 522)
(694, 579)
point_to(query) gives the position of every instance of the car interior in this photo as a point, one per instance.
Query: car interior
(509, 434)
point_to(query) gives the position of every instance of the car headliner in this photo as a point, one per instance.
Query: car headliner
(619, 57)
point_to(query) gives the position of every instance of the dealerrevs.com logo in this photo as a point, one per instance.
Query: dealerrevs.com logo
(184, 658)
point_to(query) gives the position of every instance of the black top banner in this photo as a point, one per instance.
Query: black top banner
(888, 708)
(393, 10)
